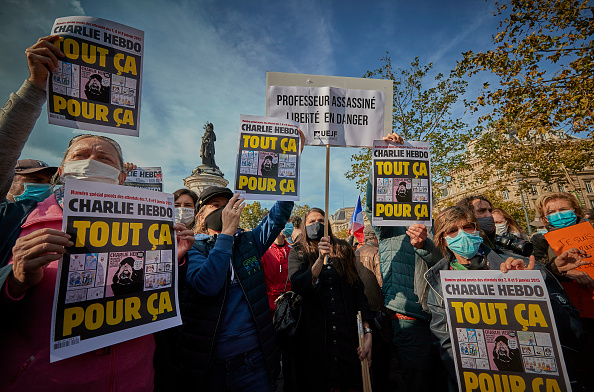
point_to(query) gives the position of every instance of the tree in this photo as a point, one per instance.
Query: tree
(547, 157)
(422, 113)
(342, 234)
(300, 210)
(543, 62)
(252, 215)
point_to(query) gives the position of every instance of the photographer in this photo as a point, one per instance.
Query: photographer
(483, 210)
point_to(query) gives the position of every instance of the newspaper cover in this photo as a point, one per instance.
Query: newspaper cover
(503, 331)
(150, 178)
(401, 183)
(268, 159)
(330, 115)
(119, 279)
(97, 85)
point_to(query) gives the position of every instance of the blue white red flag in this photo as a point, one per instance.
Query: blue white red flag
(357, 224)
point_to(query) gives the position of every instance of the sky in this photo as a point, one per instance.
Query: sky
(206, 61)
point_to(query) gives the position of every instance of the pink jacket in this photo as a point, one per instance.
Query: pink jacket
(25, 338)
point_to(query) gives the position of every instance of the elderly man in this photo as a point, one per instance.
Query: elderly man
(27, 283)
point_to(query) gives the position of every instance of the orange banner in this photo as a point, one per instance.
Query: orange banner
(580, 236)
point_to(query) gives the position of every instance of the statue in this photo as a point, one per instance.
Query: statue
(207, 150)
(208, 173)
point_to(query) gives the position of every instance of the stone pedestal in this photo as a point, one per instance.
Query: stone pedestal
(203, 177)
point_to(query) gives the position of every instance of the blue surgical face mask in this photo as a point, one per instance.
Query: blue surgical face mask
(542, 231)
(562, 218)
(37, 192)
(288, 230)
(465, 244)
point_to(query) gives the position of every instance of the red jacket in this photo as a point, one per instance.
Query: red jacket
(276, 270)
(25, 338)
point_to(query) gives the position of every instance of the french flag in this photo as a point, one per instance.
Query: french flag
(357, 224)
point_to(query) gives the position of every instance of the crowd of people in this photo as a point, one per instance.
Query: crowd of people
(230, 280)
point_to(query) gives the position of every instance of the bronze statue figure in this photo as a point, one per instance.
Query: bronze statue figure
(207, 150)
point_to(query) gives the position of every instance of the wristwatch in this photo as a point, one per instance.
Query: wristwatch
(367, 330)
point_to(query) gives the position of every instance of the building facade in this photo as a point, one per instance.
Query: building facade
(465, 183)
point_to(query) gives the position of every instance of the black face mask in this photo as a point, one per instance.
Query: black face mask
(315, 231)
(214, 220)
(487, 224)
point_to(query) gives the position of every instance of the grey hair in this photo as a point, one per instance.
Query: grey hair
(56, 178)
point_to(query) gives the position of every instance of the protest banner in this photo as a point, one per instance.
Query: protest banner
(332, 111)
(119, 279)
(97, 85)
(502, 331)
(268, 159)
(329, 113)
(150, 178)
(402, 184)
(580, 236)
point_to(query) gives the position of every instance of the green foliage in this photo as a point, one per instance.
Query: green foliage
(300, 210)
(533, 156)
(543, 62)
(342, 234)
(422, 113)
(252, 215)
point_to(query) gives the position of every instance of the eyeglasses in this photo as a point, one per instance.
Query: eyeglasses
(468, 227)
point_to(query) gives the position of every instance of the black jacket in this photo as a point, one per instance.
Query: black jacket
(12, 216)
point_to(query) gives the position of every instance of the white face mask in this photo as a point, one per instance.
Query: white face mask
(184, 215)
(90, 170)
(500, 228)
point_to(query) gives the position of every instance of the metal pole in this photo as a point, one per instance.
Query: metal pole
(524, 206)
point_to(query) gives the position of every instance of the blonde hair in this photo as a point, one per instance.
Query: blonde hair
(56, 178)
(511, 222)
(544, 199)
(199, 226)
(446, 220)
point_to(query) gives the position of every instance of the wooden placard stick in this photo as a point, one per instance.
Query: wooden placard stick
(326, 221)
(364, 362)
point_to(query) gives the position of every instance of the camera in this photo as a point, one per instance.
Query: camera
(515, 244)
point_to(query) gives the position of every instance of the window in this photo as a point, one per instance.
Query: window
(505, 195)
(561, 187)
(588, 186)
(534, 189)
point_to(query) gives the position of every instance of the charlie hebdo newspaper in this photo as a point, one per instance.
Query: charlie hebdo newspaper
(503, 331)
(97, 86)
(401, 183)
(150, 178)
(119, 279)
(268, 159)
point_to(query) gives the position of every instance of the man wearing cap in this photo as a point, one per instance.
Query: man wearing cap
(227, 340)
(31, 180)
